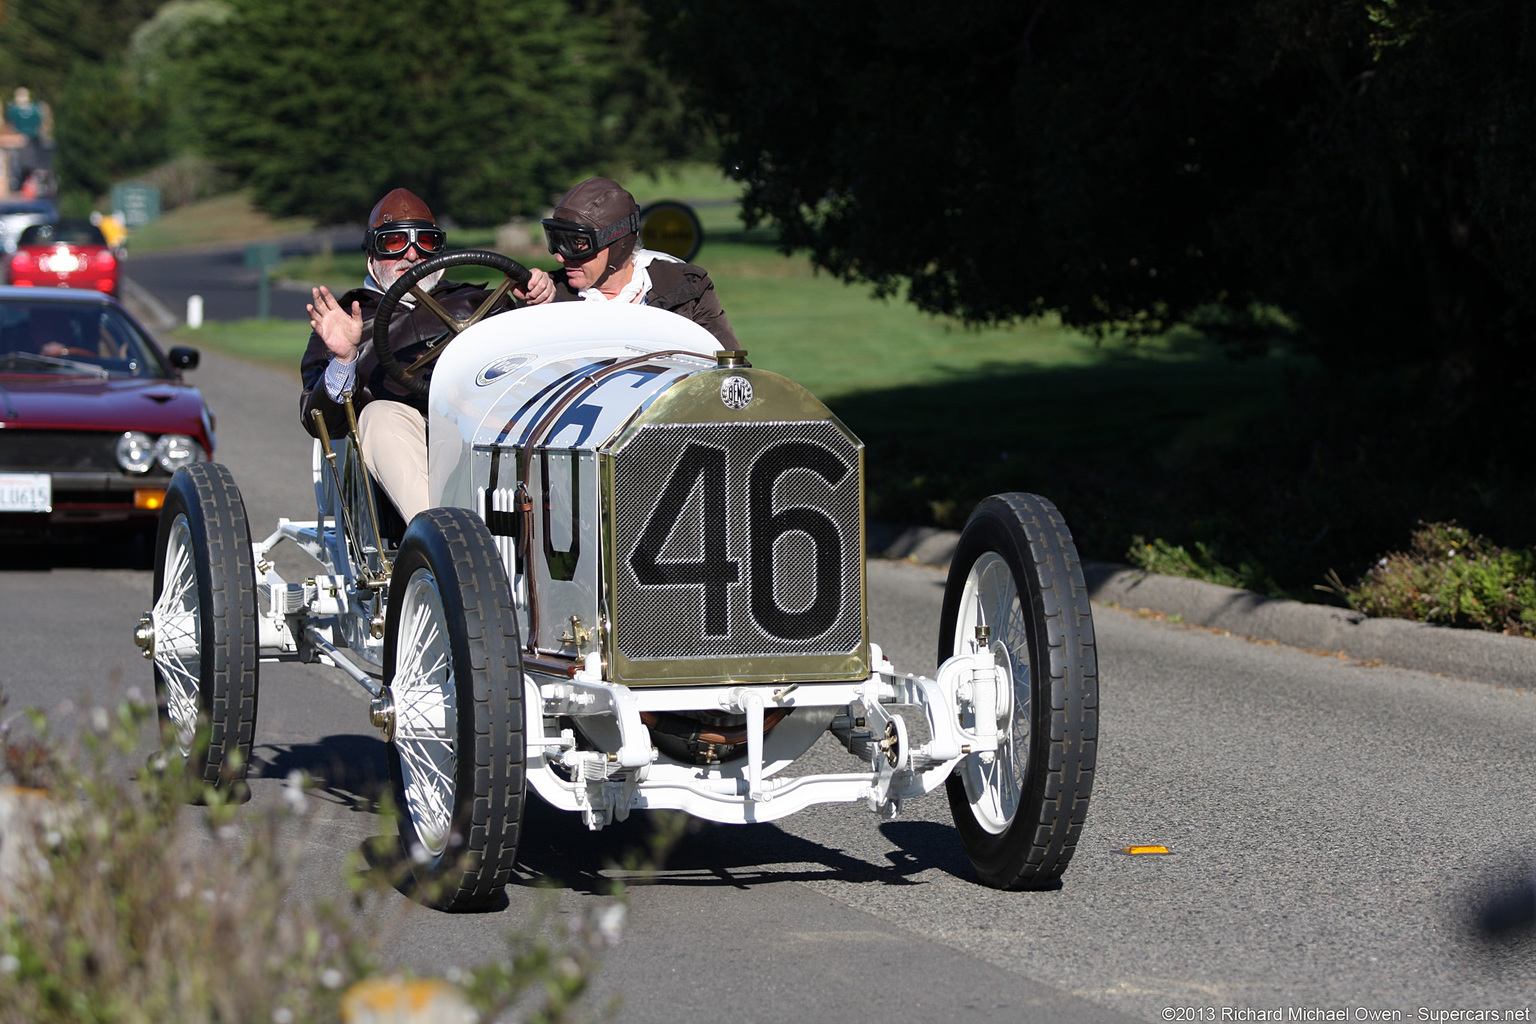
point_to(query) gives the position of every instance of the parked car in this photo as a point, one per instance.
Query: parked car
(94, 416)
(65, 254)
(16, 215)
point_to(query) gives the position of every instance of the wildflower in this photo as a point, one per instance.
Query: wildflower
(609, 924)
(293, 792)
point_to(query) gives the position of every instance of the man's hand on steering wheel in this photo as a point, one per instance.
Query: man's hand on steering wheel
(539, 290)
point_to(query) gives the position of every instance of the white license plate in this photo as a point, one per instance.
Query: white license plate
(26, 492)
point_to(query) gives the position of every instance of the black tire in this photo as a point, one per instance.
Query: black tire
(457, 766)
(206, 646)
(1025, 839)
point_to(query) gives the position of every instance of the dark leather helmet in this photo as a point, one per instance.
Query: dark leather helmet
(604, 207)
(400, 204)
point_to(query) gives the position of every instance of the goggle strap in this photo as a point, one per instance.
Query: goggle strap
(617, 230)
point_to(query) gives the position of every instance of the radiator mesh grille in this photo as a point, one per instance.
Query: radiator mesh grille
(738, 540)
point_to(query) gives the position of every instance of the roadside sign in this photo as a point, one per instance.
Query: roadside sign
(262, 257)
(137, 202)
(671, 228)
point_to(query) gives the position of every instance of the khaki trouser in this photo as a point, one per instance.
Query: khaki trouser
(394, 442)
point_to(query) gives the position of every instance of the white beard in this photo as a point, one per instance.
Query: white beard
(384, 279)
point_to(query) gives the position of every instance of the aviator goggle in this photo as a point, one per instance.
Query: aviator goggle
(392, 240)
(577, 243)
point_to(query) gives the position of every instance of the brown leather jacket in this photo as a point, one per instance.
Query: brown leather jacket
(409, 331)
(681, 288)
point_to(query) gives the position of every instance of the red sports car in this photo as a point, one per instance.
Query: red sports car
(68, 254)
(94, 417)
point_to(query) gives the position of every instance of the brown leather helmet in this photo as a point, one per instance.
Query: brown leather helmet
(400, 204)
(399, 220)
(597, 214)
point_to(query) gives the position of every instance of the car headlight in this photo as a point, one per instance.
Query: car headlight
(173, 451)
(136, 452)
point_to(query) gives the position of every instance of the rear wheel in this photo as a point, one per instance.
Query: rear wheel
(453, 664)
(1016, 571)
(204, 626)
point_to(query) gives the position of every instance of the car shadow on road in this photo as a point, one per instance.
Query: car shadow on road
(649, 848)
(34, 555)
(350, 770)
(666, 849)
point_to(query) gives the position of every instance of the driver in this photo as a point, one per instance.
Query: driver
(392, 424)
(593, 233)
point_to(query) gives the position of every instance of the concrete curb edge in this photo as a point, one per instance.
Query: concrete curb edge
(1463, 653)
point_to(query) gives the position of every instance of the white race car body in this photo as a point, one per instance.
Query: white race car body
(681, 537)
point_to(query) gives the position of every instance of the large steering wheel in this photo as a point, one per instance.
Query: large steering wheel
(514, 274)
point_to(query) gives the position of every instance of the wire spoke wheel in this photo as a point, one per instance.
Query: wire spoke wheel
(203, 623)
(178, 638)
(1016, 572)
(453, 664)
(425, 713)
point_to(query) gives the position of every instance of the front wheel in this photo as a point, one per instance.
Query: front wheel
(1016, 571)
(203, 625)
(453, 665)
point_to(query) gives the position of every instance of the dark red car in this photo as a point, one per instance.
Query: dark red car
(67, 254)
(94, 416)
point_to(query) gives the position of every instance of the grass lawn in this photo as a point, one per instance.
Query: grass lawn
(226, 218)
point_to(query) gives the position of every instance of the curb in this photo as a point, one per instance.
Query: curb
(1462, 653)
(144, 305)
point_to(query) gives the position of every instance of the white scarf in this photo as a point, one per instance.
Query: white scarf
(639, 285)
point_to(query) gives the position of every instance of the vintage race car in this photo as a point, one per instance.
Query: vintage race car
(644, 586)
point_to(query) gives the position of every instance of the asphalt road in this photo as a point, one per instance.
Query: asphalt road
(1332, 824)
(221, 275)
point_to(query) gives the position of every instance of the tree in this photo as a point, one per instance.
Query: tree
(484, 109)
(43, 44)
(1363, 164)
(105, 131)
(70, 55)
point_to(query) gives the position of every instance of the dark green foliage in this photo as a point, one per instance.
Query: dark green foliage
(1452, 577)
(484, 109)
(42, 44)
(1363, 166)
(69, 54)
(104, 130)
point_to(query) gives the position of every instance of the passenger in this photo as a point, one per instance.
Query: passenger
(392, 423)
(594, 233)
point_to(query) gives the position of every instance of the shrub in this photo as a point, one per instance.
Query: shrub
(1160, 556)
(137, 910)
(1452, 577)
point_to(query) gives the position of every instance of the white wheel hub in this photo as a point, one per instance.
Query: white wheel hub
(991, 599)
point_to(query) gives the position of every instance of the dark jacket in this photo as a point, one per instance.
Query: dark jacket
(409, 332)
(683, 289)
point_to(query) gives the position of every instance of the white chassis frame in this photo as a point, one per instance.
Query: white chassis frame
(315, 620)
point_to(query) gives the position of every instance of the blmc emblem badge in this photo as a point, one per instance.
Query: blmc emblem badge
(736, 392)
